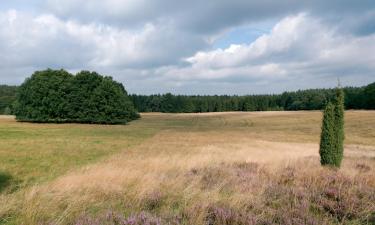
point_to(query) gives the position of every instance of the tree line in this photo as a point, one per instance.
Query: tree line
(313, 99)
(7, 97)
(87, 97)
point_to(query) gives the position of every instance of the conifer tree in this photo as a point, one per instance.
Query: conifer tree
(339, 126)
(332, 137)
(327, 138)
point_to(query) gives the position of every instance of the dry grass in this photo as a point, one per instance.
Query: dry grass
(226, 168)
(35, 153)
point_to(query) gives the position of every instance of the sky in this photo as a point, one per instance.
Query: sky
(193, 47)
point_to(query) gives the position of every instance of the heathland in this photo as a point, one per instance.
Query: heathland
(205, 168)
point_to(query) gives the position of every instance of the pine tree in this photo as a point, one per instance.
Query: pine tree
(327, 138)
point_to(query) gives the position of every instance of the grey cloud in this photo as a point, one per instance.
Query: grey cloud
(47, 41)
(145, 44)
(26, 41)
(205, 17)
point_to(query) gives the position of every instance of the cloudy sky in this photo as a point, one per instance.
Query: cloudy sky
(193, 47)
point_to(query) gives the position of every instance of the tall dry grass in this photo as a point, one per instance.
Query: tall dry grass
(182, 178)
(191, 174)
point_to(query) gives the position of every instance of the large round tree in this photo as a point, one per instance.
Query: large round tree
(58, 96)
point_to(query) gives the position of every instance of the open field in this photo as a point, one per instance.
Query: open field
(210, 168)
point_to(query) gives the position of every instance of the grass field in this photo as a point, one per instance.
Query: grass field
(210, 168)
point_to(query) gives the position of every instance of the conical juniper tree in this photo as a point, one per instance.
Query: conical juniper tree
(332, 136)
(339, 126)
(327, 138)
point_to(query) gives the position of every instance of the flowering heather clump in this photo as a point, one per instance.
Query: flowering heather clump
(345, 199)
(284, 204)
(153, 200)
(112, 218)
(289, 195)
(212, 177)
(226, 216)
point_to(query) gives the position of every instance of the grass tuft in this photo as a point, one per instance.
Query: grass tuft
(5, 180)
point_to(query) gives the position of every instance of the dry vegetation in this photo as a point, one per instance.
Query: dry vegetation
(214, 168)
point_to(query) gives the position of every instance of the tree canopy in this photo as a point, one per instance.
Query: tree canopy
(58, 96)
(313, 99)
(7, 97)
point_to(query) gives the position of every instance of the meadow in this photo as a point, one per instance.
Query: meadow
(198, 168)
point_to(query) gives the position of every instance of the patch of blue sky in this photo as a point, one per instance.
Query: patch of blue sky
(242, 35)
(25, 5)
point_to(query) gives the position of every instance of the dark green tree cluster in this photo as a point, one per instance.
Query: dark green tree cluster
(314, 99)
(369, 96)
(332, 137)
(7, 97)
(181, 103)
(58, 96)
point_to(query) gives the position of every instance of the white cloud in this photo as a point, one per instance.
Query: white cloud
(46, 40)
(297, 46)
(287, 36)
(28, 41)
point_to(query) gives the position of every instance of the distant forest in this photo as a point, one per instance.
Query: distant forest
(7, 97)
(312, 99)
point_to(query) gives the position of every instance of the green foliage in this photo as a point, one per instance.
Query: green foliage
(42, 97)
(58, 96)
(339, 126)
(5, 179)
(7, 111)
(327, 138)
(7, 97)
(314, 99)
(332, 136)
(369, 95)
